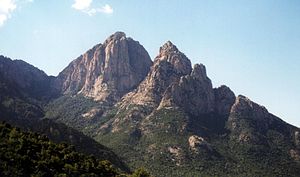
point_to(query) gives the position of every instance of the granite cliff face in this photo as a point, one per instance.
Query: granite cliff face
(108, 70)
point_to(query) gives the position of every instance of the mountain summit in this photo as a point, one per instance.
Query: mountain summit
(108, 70)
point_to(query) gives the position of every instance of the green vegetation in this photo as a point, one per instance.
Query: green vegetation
(31, 154)
(69, 110)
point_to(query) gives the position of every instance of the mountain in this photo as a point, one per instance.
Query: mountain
(166, 115)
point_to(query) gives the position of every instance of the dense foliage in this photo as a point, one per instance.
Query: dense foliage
(31, 154)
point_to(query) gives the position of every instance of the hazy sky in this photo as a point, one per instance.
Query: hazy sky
(251, 46)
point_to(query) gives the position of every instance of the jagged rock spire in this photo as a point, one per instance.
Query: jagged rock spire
(168, 47)
(170, 53)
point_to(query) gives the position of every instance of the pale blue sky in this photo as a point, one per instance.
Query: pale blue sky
(251, 46)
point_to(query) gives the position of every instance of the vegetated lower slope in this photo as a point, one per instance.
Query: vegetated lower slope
(32, 154)
(79, 112)
(60, 133)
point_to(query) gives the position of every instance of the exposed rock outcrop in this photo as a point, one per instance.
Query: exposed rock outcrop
(170, 53)
(177, 154)
(197, 143)
(193, 93)
(249, 121)
(244, 108)
(107, 71)
(295, 154)
(92, 113)
(224, 99)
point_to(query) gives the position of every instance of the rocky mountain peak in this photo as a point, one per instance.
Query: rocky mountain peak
(115, 37)
(246, 116)
(169, 52)
(106, 72)
(225, 98)
(199, 72)
(168, 47)
(246, 106)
